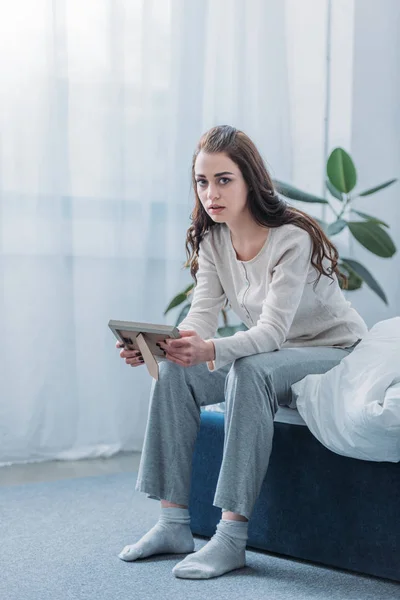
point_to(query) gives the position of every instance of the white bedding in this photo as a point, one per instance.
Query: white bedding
(354, 408)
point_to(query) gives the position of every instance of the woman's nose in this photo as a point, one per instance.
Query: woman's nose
(212, 192)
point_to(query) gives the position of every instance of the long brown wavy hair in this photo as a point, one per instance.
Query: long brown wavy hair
(266, 206)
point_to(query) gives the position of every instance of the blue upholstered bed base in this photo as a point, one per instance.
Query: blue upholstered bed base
(314, 504)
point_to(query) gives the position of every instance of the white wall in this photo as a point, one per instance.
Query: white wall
(375, 143)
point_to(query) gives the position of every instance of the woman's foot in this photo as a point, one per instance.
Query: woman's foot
(170, 535)
(225, 552)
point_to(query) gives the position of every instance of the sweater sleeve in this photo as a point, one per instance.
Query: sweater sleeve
(208, 296)
(289, 276)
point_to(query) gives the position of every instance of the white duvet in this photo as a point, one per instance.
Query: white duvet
(354, 409)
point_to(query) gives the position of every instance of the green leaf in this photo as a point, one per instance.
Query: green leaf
(366, 276)
(336, 227)
(373, 237)
(354, 281)
(182, 314)
(188, 290)
(176, 302)
(334, 191)
(377, 188)
(369, 218)
(341, 171)
(295, 194)
(179, 298)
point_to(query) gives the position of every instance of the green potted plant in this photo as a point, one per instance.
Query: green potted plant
(370, 232)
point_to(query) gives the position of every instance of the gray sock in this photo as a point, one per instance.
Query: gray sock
(225, 552)
(170, 535)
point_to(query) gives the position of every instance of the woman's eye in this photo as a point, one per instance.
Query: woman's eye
(201, 182)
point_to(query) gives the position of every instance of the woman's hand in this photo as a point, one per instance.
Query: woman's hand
(189, 350)
(132, 357)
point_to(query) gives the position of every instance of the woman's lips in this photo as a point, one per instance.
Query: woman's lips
(216, 210)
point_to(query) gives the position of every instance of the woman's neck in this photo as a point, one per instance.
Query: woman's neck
(248, 241)
(247, 233)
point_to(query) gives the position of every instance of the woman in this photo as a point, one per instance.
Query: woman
(278, 271)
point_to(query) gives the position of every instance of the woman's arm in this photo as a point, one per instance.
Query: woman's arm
(208, 296)
(289, 277)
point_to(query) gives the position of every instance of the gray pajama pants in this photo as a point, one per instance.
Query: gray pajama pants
(253, 387)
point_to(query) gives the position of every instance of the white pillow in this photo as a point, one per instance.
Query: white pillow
(354, 408)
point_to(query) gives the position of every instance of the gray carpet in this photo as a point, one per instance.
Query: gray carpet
(60, 540)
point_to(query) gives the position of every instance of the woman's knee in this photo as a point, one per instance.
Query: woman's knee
(250, 368)
(249, 378)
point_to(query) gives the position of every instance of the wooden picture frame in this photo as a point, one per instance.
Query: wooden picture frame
(144, 337)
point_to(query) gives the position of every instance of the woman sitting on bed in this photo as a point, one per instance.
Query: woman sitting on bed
(278, 271)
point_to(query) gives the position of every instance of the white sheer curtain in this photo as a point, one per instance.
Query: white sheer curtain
(101, 104)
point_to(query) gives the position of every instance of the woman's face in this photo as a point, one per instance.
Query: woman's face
(219, 182)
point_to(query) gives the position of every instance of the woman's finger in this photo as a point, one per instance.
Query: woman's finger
(134, 360)
(179, 355)
(130, 353)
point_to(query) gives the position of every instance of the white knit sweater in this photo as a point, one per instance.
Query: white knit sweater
(273, 294)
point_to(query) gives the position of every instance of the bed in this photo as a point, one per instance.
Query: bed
(314, 504)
